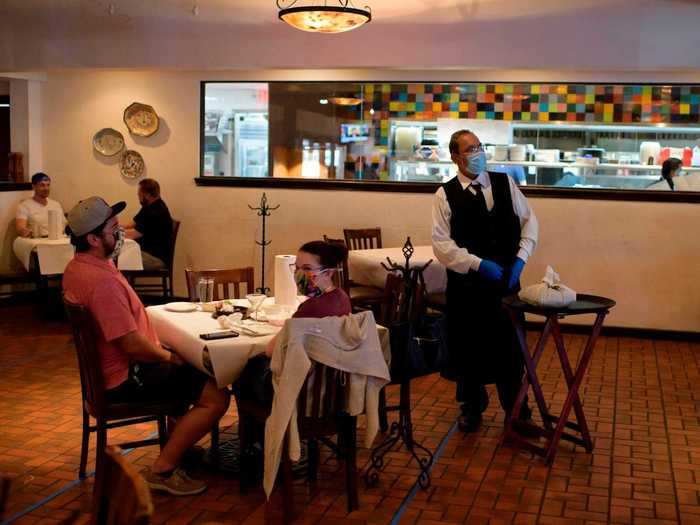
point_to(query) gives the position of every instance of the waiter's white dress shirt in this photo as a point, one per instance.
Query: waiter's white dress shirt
(459, 259)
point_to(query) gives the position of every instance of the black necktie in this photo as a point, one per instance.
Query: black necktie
(479, 194)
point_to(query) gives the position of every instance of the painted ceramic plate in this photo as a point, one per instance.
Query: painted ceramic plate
(132, 164)
(108, 142)
(141, 119)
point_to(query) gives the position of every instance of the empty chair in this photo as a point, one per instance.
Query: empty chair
(361, 297)
(363, 239)
(227, 283)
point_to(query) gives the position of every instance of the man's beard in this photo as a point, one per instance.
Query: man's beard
(109, 250)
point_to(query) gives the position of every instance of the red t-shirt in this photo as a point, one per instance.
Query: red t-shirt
(116, 309)
(335, 303)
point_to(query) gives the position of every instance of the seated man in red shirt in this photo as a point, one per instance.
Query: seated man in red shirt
(135, 367)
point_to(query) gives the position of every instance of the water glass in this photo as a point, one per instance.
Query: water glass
(205, 290)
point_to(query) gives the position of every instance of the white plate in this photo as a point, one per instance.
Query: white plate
(181, 307)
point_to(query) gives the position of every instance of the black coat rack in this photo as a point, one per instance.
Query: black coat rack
(263, 211)
(402, 430)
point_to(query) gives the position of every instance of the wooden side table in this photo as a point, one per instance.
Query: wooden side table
(554, 426)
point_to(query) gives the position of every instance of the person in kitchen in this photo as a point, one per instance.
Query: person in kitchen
(674, 179)
(32, 216)
(484, 231)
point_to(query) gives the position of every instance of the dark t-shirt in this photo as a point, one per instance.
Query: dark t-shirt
(156, 225)
(335, 303)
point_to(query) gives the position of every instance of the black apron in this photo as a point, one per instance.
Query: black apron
(482, 343)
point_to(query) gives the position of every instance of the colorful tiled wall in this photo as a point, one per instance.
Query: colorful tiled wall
(601, 103)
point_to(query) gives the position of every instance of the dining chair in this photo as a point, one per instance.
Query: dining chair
(227, 283)
(165, 275)
(320, 415)
(107, 415)
(362, 297)
(363, 239)
(125, 498)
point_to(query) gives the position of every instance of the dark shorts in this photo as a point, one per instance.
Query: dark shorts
(160, 382)
(255, 382)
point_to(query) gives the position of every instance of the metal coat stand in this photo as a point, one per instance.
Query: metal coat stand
(402, 430)
(263, 211)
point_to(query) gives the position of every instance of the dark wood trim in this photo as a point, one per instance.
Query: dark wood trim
(431, 187)
(623, 331)
(15, 186)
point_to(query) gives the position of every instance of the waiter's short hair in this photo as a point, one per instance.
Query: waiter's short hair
(150, 187)
(454, 140)
(38, 177)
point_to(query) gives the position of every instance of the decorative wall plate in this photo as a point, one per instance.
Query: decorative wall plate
(132, 164)
(108, 142)
(141, 119)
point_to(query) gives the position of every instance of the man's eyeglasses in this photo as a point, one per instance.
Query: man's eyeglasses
(474, 149)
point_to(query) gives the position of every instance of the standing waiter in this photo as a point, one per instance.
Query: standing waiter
(483, 232)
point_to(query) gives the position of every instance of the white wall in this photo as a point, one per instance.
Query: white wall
(642, 254)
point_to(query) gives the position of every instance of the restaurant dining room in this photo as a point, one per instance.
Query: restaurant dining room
(371, 262)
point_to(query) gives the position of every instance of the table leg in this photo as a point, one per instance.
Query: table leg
(530, 376)
(582, 425)
(573, 388)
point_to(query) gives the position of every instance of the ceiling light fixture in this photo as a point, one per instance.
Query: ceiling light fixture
(323, 18)
(345, 101)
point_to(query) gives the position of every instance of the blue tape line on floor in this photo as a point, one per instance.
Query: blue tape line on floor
(60, 491)
(412, 494)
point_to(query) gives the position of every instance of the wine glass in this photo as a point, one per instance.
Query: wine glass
(256, 301)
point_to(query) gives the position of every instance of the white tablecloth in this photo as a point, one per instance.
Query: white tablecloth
(55, 255)
(180, 331)
(365, 266)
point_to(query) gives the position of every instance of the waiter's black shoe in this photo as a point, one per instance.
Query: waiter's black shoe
(469, 421)
(524, 424)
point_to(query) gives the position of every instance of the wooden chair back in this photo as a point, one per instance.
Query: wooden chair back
(363, 239)
(341, 279)
(125, 496)
(173, 240)
(224, 281)
(323, 396)
(399, 305)
(91, 381)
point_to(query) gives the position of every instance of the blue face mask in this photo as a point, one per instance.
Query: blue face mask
(476, 163)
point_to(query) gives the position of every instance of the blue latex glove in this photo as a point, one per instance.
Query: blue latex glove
(490, 270)
(515, 270)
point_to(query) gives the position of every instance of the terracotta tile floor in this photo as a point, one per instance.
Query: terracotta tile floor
(641, 398)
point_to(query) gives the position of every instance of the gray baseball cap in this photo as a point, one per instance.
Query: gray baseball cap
(88, 214)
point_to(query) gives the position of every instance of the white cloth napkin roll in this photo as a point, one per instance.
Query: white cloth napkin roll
(285, 286)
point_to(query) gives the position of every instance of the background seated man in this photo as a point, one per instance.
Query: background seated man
(135, 367)
(152, 226)
(34, 212)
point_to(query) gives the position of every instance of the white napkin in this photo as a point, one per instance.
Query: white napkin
(549, 292)
(249, 328)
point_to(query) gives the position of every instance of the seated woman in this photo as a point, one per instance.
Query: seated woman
(670, 171)
(316, 264)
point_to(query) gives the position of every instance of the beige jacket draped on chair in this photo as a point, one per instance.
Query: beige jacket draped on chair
(351, 344)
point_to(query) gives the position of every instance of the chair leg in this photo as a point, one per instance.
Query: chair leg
(84, 444)
(99, 466)
(214, 448)
(162, 431)
(383, 420)
(312, 452)
(287, 483)
(347, 437)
